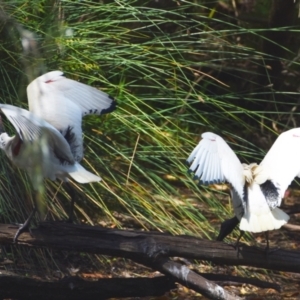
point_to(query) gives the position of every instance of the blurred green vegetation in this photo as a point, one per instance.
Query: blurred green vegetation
(177, 69)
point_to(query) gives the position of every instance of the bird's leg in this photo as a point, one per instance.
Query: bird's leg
(267, 249)
(72, 192)
(267, 239)
(236, 245)
(25, 226)
(38, 206)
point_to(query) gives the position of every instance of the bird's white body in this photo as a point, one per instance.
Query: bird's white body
(63, 102)
(258, 215)
(257, 190)
(40, 149)
(34, 159)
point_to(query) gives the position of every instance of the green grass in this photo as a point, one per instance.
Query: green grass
(163, 67)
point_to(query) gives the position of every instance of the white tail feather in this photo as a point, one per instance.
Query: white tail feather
(81, 175)
(270, 220)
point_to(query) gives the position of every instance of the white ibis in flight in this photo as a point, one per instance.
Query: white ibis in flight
(52, 129)
(257, 190)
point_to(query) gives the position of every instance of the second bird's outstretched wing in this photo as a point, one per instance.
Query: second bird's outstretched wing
(283, 160)
(213, 161)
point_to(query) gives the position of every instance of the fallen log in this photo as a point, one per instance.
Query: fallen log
(148, 245)
(153, 249)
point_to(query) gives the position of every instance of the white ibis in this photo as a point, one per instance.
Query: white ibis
(257, 190)
(58, 103)
(40, 149)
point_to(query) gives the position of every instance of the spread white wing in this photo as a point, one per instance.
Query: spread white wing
(213, 161)
(283, 160)
(31, 128)
(89, 99)
(63, 102)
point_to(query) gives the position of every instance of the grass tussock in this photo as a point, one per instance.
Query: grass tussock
(176, 70)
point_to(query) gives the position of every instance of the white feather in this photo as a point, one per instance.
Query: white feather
(283, 159)
(258, 216)
(81, 175)
(89, 99)
(38, 147)
(63, 102)
(214, 161)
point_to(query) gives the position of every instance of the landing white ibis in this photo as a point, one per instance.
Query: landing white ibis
(257, 190)
(56, 105)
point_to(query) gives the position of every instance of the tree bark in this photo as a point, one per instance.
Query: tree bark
(154, 250)
(149, 245)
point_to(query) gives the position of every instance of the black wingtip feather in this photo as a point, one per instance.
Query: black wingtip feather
(209, 182)
(111, 108)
